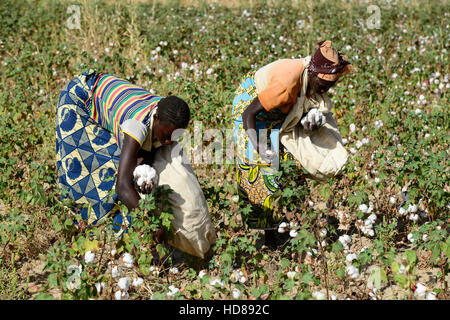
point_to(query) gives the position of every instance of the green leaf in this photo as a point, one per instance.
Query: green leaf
(285, 263)
(400, 279)
(206, 294)
(341, 273)
(44, 296)
(377, 278)
(307, 278)
(412, 257)
(337, 247)
(395, 267)
(52, 280)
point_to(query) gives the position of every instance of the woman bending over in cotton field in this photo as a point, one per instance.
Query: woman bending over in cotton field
(287, 98)
(106, 126)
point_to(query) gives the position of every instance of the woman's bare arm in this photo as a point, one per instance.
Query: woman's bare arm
(127, 163)
(249, 121)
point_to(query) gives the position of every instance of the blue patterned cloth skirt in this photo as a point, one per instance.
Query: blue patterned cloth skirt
(87, 156)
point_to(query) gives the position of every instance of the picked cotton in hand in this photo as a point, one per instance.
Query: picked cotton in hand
(314, 116)
(144, 173)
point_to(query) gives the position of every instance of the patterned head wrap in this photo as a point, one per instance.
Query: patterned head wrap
(328, 63)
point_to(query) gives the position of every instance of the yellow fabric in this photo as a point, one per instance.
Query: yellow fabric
(279, 83)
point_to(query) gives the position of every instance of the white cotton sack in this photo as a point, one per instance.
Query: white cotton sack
(144, 174)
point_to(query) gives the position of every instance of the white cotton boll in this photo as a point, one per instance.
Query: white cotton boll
(425, 237)
(370, 232)
(350, 257)
(412, 208)
(353, 150)
(319, 295)
(378, 124)
(236, 275)
(113, 252)
(410, 237)
(144, 173)
(402, 211)
(431, 296)
(236, 293)
(291, 275)
(352, 127)
(358, 144)
(368, 223)
(242, 279)
(392, 200)
(421, 290)
(201, 274)
(100, 287)
(124, 283)
(283, 227)
(363, 207)
(372, 217)
(352, 271)
(89, 257)
(173, 270)
(154, 270)
(317, 116)
(322, 232)
(344, 141)
(304, 121)
(293, 224)
(128, 260)
(137, 282)
(347, 238)
(140, 181)
(293, 233)
(172, 290)
(414, 217)
(216, 281)
(119, 295)
(116, 271)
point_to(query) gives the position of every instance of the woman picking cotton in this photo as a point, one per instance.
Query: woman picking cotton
(105, 128)
(284, 104)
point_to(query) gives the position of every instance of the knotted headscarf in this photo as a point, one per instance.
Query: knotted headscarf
(328, 63)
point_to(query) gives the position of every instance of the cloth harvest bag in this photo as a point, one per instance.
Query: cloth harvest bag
(321, 152)
(193, 229)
